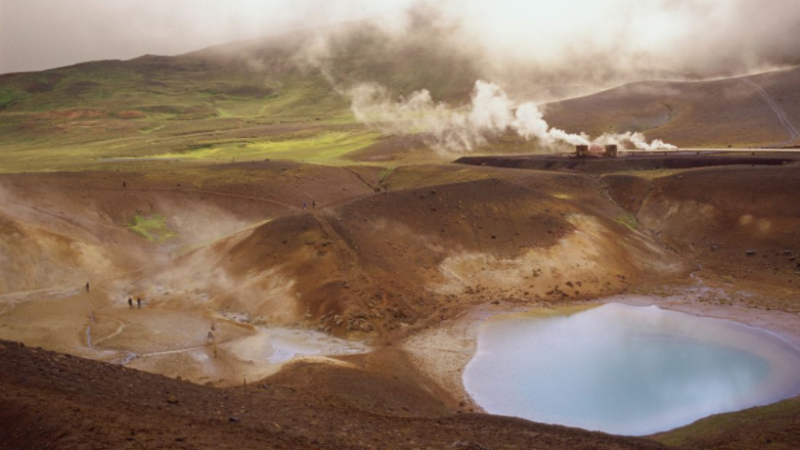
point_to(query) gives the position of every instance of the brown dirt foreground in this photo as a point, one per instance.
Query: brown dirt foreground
(435, 243)
(49, 400)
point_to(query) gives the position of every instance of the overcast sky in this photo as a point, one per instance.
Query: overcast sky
(687, 34)
(42, 34)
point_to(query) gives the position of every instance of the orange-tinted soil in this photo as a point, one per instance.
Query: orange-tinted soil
(383, 259)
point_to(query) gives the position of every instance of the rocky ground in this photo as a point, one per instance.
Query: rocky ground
(405, 261)
(51, 400)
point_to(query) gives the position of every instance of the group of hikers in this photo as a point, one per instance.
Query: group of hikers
(313, 205)
(138, 303)
(210, 337)
(130, 300)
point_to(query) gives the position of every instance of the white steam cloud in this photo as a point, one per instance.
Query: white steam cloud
(458, 129)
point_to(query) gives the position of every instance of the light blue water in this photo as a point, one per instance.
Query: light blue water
(626, 370)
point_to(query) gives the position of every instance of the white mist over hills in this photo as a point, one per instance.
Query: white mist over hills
(560, 39)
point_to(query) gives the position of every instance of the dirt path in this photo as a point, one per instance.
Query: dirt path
(793, 133)
(52, 292)
(115, 333)
(201, 191)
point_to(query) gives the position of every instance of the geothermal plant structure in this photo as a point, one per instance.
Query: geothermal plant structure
(611, 151)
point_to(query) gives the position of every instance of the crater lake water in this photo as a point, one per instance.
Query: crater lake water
(625, 369)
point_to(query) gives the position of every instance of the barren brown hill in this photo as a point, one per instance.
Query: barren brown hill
(739, 221)
(380, 263)
(84, 225)
(383, 258)
(717, 113)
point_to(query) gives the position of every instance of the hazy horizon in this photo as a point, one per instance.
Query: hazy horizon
(704, 37)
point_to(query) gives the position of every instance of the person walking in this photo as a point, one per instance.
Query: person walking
(130, 303)
(305, 206)
(139, 302)
(313, 204)
(87, 286)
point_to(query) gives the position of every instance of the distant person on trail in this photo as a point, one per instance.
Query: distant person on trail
(124, 184)
(87, 286)
(313, 204)
(139, 302)
(210, 338)
(130, 303)
(305, 206)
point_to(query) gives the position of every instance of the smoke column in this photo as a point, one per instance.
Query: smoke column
(460, 129)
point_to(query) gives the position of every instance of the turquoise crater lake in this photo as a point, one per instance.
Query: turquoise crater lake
(626, 370)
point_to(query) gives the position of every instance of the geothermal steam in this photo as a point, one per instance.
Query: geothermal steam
(459, 129)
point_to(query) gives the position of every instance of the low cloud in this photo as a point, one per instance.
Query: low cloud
(568, 41)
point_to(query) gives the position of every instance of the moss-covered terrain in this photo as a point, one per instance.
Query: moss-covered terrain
(153, 227)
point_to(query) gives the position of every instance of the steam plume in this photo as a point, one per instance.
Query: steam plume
(458, 129)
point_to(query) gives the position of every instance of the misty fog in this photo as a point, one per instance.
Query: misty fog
(596, 41)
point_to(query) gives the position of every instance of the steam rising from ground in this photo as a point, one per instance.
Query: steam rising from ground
(457, 129)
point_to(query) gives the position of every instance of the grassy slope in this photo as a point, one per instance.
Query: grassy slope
(250, 100)
(772, 426)
(261, 99)
(159, 106)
